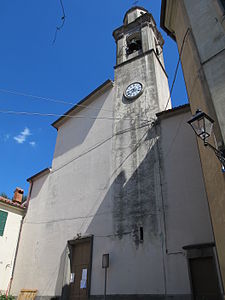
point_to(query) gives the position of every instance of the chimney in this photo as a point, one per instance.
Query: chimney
(18, 195)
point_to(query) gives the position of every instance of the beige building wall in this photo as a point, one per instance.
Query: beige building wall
(203, 63)
(8, 243)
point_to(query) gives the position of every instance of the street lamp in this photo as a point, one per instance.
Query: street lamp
(202, 125)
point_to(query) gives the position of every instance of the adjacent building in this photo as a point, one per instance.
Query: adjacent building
(11, 215)
(125, 180)
(198, 27)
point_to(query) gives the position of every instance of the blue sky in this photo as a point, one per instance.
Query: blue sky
(81, 58)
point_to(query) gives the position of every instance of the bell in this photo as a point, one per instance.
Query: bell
(133, 45)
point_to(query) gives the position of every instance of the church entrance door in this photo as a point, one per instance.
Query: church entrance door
(205, 283)
(80, 268)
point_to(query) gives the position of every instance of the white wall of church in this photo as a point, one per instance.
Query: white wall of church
(64, 202)
(187, 220)
(78, 198)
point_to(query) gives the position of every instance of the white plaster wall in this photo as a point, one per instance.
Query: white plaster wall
(187, 218)
(79, 198)
(8, 243)
(84, 131)
(64, 202)
(162, 86)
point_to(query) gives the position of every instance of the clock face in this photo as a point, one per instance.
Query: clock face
(133, 90)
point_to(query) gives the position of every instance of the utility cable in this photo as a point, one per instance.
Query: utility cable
(84, 106)
(63, 18)
(81, 105)
(62, 115)
(176, 70)
(100, 144)
(50, 99)
(152, 213)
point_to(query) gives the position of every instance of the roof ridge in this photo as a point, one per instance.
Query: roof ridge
(11, 203)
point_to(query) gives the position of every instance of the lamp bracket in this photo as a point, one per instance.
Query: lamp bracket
(218, 153)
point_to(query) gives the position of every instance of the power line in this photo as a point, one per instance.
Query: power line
(49, 99)
(63, 115)
(152, 213)
(81, 105)
(176, 70)
(36, 97)
(100, 143)
(63, 18)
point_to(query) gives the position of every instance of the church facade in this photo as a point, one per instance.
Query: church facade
(125, 181)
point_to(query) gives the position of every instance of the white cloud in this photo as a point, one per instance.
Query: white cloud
(21, 138)
(26, 131)
(33, 143)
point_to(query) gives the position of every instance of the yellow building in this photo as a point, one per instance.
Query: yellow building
(198, 27)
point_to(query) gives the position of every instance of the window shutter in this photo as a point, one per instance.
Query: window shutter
(3, 218)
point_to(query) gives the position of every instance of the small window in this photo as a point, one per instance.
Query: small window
(157, 48)
(3, 218)
(134, 43)
(141, 233)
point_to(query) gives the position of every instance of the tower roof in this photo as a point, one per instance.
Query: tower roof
(133, 13)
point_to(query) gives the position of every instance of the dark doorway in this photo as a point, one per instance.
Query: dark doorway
(80, 257)
(203, 273)
(204, 279)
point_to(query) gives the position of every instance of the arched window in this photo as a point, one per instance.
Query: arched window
(134, 43)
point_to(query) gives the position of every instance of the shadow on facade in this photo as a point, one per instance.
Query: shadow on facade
(62, 288)
(131, 202)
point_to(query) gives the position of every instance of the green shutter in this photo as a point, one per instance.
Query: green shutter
(3, 218)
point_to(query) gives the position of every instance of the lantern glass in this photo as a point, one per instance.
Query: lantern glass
(202, 124)
(208, 126)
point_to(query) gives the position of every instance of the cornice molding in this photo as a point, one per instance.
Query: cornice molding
(144, 20)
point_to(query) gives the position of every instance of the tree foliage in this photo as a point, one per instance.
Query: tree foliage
(5, 196)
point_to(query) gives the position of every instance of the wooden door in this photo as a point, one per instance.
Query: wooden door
(80, 269)
(204, 279)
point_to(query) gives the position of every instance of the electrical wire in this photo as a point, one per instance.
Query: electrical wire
(176, 70)
(84, 106)
(152, 213)
(81, 105)
(103, 142)
(50, 99)
(62, 115)
(63, 18)
(175, 136)
(36, 97)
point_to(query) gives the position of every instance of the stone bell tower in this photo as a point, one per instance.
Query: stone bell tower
(141, 90)
(140, 59)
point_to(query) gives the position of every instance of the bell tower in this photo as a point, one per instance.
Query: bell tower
(141, 91)
(139, 58)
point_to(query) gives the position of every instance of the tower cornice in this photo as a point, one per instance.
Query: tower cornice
(144, 20)
(133, 9)
(142, 55)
